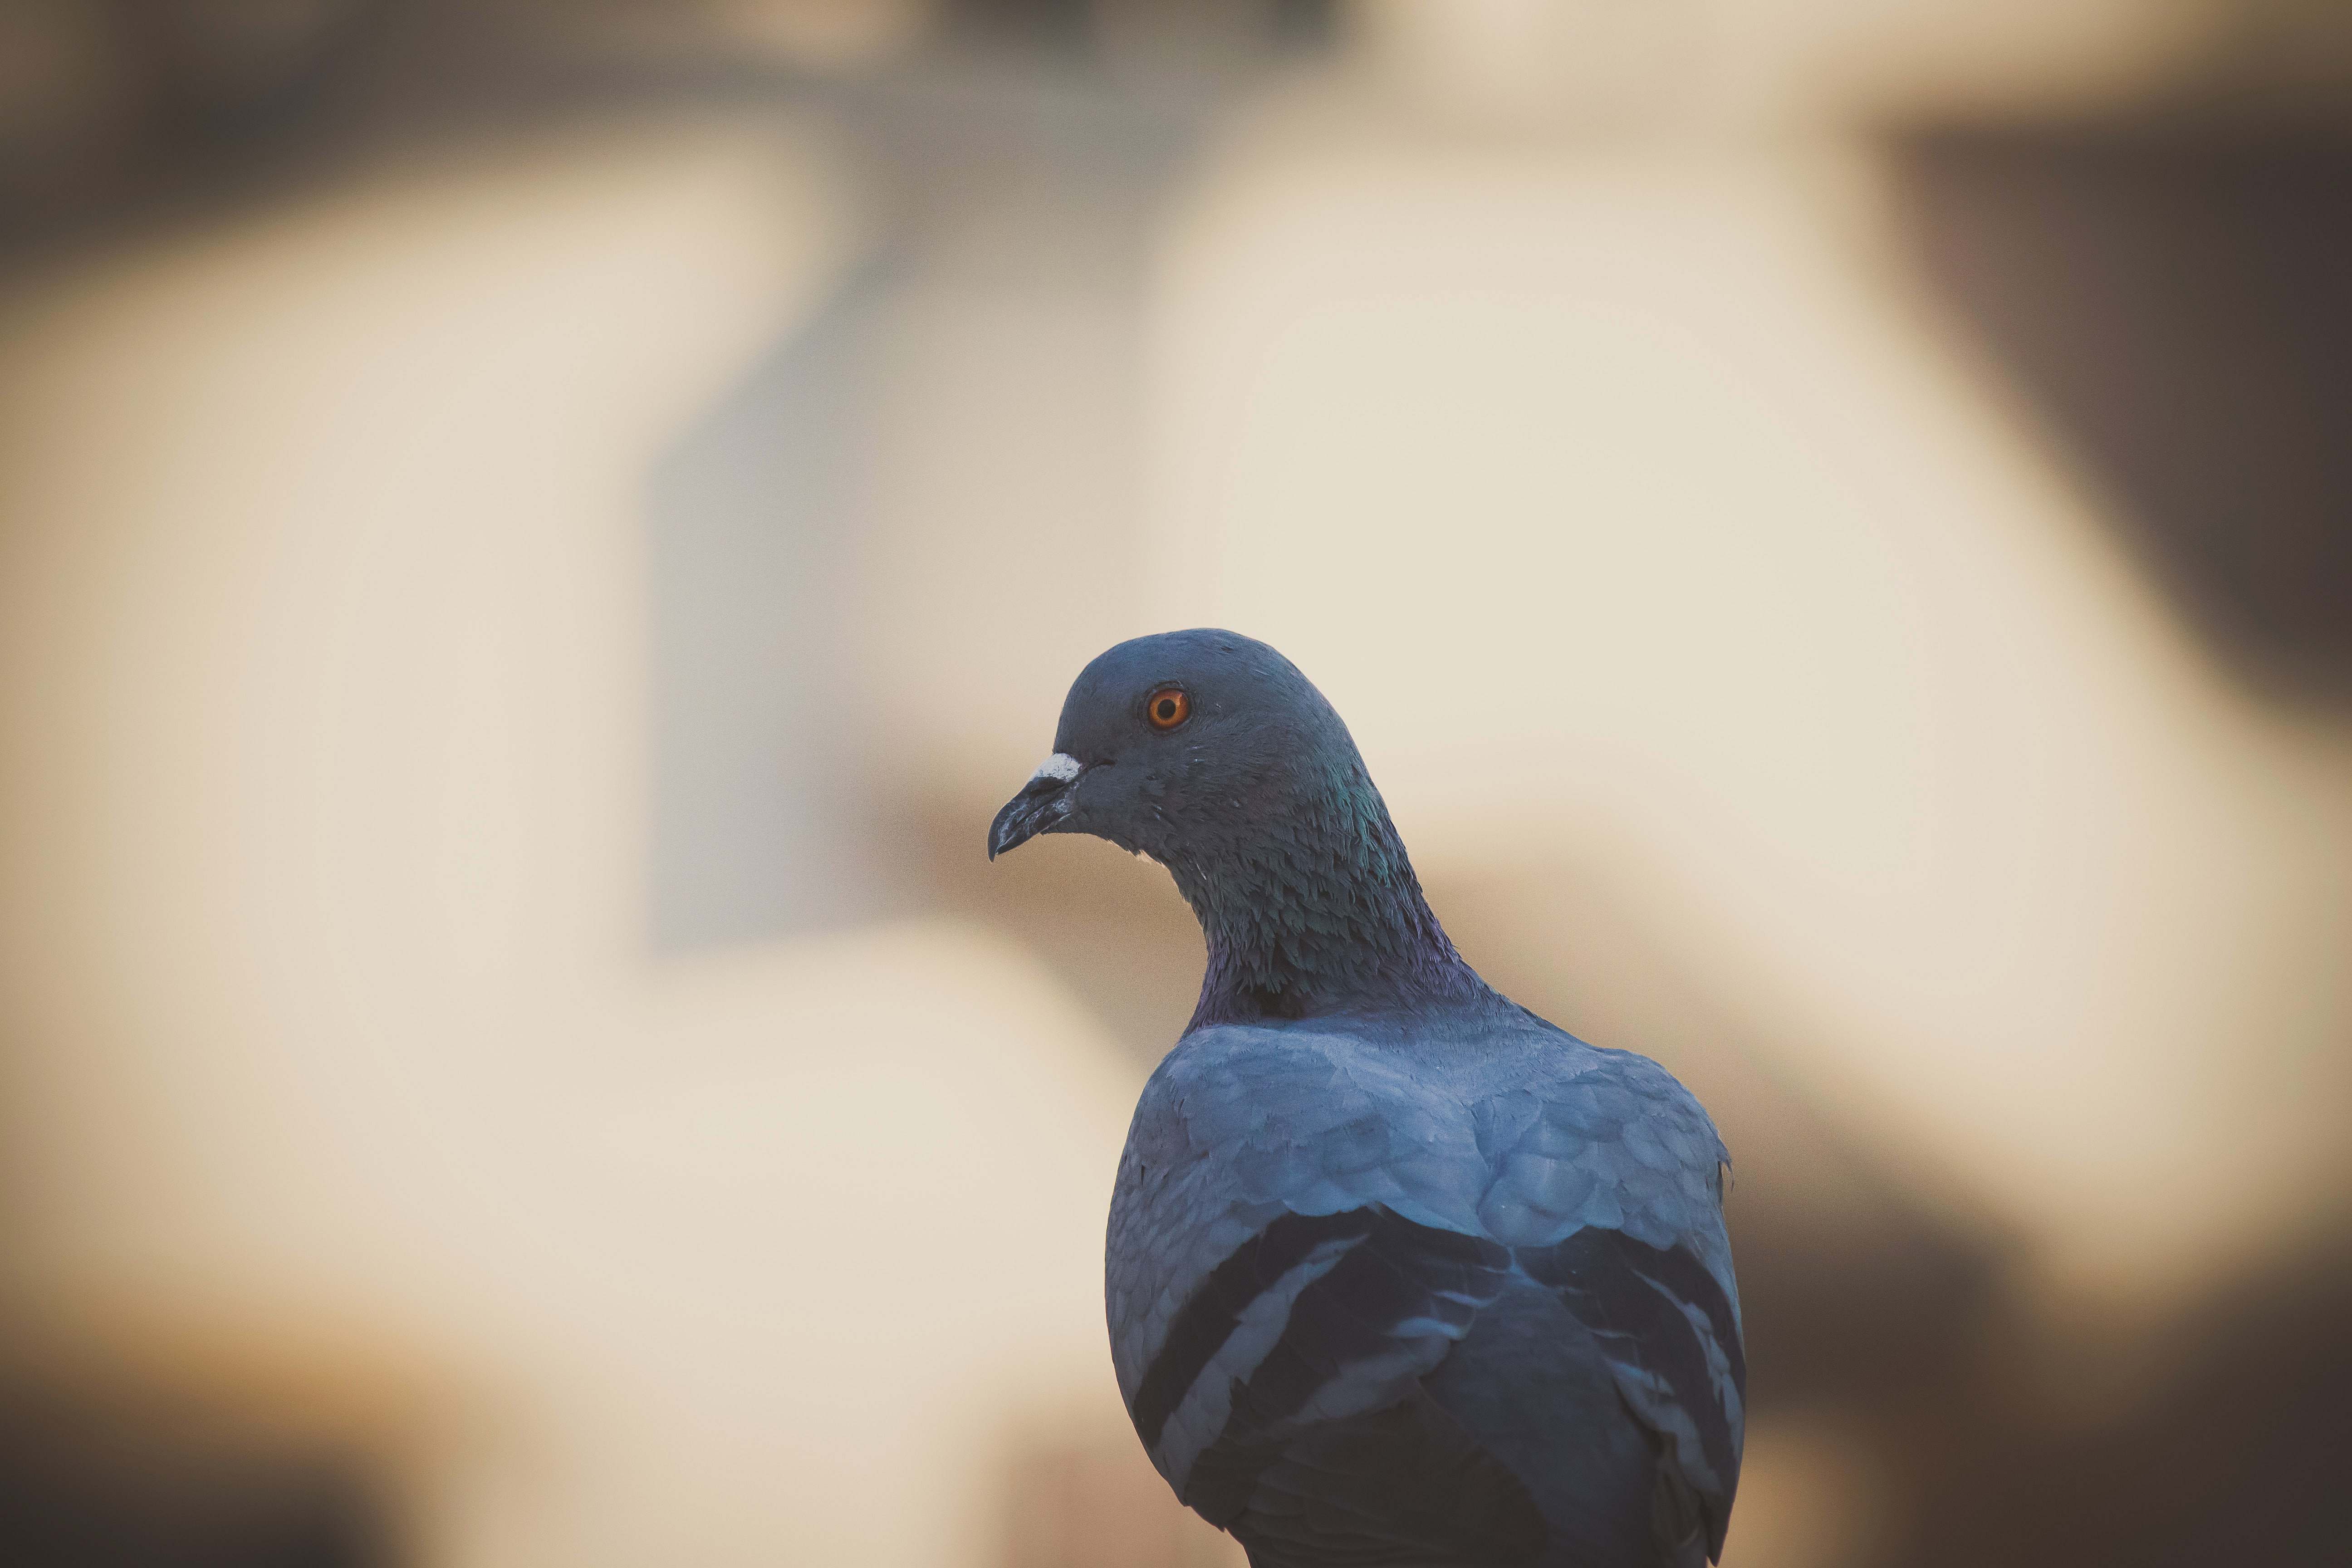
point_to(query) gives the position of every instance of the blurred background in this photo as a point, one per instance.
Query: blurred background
(534, 536)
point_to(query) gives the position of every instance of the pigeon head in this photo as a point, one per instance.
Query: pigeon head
(1211, 753)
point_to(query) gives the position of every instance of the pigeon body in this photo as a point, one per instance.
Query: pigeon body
(1397, 1273)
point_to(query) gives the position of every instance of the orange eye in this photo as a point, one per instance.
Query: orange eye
(1168, 708)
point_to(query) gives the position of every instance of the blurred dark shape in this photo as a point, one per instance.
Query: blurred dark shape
(106, 100)
(2276, 62)
(1063, 23)
(112, 104)
(1086, 25)
(90, 1484)
(231, 68)
(2238, 1454)
(2174, 300)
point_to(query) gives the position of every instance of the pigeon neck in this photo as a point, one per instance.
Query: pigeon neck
(1321, 914)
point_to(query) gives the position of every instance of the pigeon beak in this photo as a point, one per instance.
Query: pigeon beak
(1043, 802)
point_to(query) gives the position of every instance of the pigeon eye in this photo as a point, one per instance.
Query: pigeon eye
(1167, 709)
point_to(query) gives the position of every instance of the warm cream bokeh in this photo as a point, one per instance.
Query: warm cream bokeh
(511, 628)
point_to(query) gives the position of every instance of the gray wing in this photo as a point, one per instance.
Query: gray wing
(1610, 1188)
(1303, 1234)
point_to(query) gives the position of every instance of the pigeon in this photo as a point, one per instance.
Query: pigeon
(1398, 1273)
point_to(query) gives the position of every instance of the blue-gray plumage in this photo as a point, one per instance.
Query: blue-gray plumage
(1398, 1273)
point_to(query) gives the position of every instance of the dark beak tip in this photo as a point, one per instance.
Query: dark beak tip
(1034, 810)
(1012, 827)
